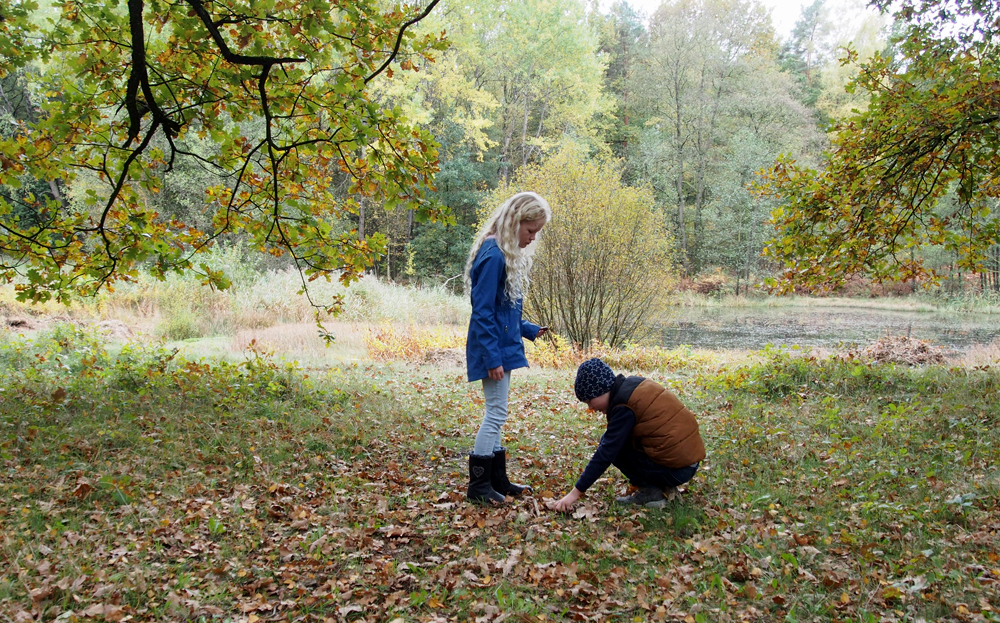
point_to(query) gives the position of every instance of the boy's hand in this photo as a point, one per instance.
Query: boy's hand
(565, 505)
(496, 373)
(542, 331)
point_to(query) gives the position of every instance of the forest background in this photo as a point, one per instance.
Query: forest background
(693, 102)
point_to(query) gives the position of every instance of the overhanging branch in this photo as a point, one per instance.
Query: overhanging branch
(399, 40)
(229, 55)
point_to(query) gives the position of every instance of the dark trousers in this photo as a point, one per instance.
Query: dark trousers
(641, 471)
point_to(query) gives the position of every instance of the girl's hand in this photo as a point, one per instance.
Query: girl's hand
(497, 373)
(565, 505)
(541, 332)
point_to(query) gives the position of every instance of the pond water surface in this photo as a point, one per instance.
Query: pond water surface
(753, 328)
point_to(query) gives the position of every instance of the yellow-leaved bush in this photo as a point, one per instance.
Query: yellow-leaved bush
(561, 354)
(388, 343)
(603, 265)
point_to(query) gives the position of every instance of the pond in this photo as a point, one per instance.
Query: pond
(753, 328)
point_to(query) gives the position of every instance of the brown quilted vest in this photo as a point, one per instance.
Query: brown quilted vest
(665, 429)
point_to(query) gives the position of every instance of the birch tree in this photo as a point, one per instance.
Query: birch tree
(697, 54)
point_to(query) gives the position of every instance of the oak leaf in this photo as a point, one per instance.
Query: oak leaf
(511, 561)
(587, 512)
(83, 488)
(95, 610)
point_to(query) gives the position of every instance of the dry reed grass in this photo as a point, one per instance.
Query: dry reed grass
(445, 346)
(978, 356)
(557, 352)
(19, 317)
(182, 308)
(916, 303)
(301, 341)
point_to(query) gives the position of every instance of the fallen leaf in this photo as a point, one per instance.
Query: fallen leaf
(318, 543)
(83, 488)
(512, 560)
(891, 593)
(586, 512)
(641, 594)
(41, 594)
(95, 610)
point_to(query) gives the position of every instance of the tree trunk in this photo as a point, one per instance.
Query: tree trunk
(361, 219)
(680, 218)
(681, 226)
(524, 131)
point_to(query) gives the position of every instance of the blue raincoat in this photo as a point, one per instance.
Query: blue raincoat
(496, 329)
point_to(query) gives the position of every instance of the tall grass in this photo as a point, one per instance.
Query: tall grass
(977, 302)
(931, 302)
(264, 306)
(180, 307)
(916, 303)
(11, 308)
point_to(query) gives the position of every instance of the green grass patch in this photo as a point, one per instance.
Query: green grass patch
(141, 483)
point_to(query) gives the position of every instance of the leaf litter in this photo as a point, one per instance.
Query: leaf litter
(342, 499)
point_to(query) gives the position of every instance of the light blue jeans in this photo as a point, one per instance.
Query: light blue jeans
(496, 394)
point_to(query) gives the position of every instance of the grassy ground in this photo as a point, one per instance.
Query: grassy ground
(921, 302)
(140, 485)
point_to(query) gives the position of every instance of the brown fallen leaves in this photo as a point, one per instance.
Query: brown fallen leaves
(351, 507)
(899, 349)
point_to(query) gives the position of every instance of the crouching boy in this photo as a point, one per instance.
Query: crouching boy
(652, 438)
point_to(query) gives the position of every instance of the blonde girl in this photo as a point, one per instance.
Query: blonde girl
(496, 276)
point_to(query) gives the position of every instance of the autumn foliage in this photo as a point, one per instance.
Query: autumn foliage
(274, 99)
(603, 265)
(930, 131)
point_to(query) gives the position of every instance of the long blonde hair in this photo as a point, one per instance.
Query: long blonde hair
(504, 224)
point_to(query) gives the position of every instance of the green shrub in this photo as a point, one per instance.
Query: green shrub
(438, 253)
(180, 324)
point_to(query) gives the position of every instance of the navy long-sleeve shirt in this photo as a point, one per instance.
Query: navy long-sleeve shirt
(621, 421)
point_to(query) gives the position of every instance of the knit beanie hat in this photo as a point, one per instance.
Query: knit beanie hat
(593, 378)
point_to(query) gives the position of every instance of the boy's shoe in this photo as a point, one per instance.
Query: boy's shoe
(650, 497)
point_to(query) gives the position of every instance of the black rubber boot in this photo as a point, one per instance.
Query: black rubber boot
(480, 490)
(498, 476)
(650, 497)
